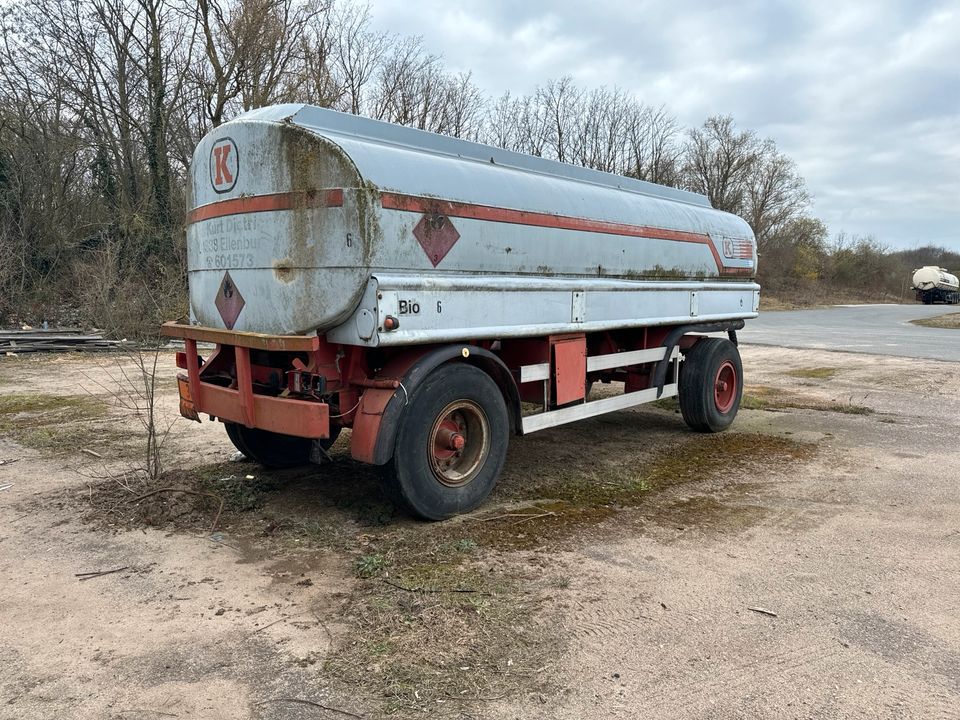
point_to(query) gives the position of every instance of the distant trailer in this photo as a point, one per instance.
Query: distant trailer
(935, 285)
(436, 295)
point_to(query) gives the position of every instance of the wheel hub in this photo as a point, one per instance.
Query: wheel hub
(725, 387)
(459, 443)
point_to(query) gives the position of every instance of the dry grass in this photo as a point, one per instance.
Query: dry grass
(61, 424)
(949, 321)
(773, 303)
(435, 623)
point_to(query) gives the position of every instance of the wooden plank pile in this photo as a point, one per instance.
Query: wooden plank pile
(31, 340)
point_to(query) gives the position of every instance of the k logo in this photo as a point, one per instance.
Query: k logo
(224, 165)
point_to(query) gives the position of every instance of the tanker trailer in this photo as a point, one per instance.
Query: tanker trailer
(934, 284)
(436, 296)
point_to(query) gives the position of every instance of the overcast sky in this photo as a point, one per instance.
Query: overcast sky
(863, 95)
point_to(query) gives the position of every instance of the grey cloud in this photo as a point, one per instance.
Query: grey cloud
(864, 96)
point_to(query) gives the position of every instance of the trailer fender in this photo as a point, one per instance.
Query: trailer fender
(379, 415)
(673, 337)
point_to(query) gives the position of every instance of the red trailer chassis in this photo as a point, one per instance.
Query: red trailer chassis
(298, 386)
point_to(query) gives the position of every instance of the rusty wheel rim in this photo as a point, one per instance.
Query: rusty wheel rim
(459, 443)
(725, 387)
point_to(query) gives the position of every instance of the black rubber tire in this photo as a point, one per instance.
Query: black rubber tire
(409, 478)
(698, 380)
(274, 450)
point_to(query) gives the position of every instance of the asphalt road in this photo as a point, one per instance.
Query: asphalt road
(873, 329)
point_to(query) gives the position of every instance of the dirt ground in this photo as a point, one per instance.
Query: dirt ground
(805, 564)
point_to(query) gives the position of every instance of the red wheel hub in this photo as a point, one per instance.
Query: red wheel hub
(448, 440)
(459, 443)
(725, 387)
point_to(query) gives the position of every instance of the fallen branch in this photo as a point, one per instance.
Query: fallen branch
(199, 493)
(271, 624)
(9, 461)
(147, 710)
(301, 701)
(93, 453)
(533, 517)
(523, 516)
(763, 611)
(99, 573)
(456, 698)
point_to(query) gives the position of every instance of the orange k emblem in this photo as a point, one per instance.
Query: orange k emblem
(221, 154)
(224, 165)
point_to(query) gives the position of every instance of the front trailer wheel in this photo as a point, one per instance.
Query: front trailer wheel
(274, 450)
(711, 385)
(451, 445)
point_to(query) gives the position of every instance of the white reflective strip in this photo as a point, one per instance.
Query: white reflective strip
(634, 357)
(529, 373)
(532, 423)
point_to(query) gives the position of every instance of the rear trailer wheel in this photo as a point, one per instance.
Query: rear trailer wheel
(274, 450)
(451, 445)
(711, 385)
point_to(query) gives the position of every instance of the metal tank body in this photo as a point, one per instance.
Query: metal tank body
(931, 277)
(304, 219)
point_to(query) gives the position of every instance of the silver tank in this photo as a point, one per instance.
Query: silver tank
(293, 208)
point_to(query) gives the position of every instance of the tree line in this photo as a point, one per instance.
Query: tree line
(103, 101)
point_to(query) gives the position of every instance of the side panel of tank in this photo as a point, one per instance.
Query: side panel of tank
(507, 248)
(266, 223)
(436, 308)
(426, 176)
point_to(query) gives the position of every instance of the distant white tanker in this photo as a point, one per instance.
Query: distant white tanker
(934, 284)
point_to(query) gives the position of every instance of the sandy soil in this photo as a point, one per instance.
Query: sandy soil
(852, 553)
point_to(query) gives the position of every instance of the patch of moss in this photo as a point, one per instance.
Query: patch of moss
(813, 373)
(750, 401)
(707, 512)
(671, 404)
(572, 498)
(760, 397)
(723, 454)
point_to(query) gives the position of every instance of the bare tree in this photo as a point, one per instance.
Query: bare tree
(502, 123)
(560, 103)
(600, 130)
(258, 52)
(776, 194)
(357, 54)
(463, 108)
(409, 85)
(653, 148)
(718, 162)
(102, 103)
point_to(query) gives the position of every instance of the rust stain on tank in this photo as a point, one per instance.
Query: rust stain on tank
(314, 164)
(283, 270)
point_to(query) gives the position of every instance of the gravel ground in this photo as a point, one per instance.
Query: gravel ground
(822, 588)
